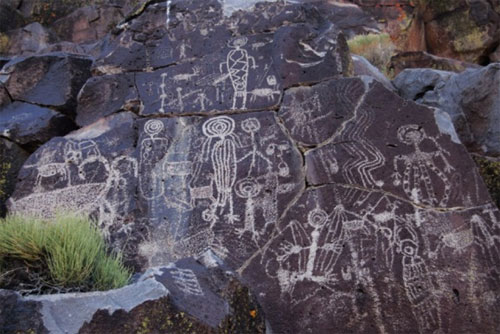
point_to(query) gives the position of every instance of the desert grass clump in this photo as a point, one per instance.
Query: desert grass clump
(376, 48)
(67, 253)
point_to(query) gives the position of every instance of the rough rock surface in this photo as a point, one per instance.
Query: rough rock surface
(182, 297)
(30, 126)
(361, 66)
(420, 59)
(470, 98)
(51, 80)
(241, 141)
(27, 40)
(12, 157)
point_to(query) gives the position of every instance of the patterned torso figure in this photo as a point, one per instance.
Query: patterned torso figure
(417, 282)
(238, 65)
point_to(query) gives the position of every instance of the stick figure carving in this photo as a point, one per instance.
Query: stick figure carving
(419, 166)
(237, 64)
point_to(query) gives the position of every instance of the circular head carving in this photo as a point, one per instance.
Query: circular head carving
(411, 134)
(317, 218)
(153, 127)
(247, 188)
(250, 125)
(238, 42)
(218, 127)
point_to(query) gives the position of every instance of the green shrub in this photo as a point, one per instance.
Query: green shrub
(376, 48)
(67, 253)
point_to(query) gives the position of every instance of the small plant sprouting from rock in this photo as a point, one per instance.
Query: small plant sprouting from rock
(67, 253)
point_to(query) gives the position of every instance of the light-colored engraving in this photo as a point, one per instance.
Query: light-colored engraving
(237, 66)
(419, 166)
(224, 163)
(163, 93)
(365, 157)
(152, 150)
(417, 281)
(186, 281)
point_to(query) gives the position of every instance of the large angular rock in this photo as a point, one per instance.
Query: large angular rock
(10, 18)
(470, 98)
(182, 297)
(87, 24)
(4, 96)
(420, 59)
(27, 40)
(30, 126)
(104, 95)
(50, 80)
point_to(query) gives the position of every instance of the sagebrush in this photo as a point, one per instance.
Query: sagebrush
(67, 253)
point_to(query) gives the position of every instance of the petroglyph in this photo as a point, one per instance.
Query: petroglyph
(186, 281)
(237, 65)
(420, 169)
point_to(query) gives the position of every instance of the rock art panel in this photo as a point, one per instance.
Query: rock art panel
(217, 183)
(405, 152)
(91, 171)
(344, 255)
(313, 115)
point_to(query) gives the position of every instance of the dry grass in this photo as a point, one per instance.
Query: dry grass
(376, 48)
(68, 252)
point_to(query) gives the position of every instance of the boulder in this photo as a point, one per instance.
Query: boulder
(26, 41)
(104, 95)
(10, 18)
(361, 66)
(12, 157)
(421, 59)
(87, 24)
(470, 98)
(52, 80)
(464, 30)
(30, 125)
(180, 297)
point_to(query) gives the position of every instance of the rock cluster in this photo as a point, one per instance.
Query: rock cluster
(264, 189)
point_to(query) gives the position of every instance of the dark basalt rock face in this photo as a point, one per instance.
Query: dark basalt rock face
(238, 149)
(51, 80)
(19, 316)
(30, 125)
(12, 157)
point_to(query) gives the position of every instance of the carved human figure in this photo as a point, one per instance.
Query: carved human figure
(220, 148)
(417, 281)
(309, 254)
(237, 65)
(419, 167)
(152, 150)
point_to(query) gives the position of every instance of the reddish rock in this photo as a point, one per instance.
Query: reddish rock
(420, 59)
